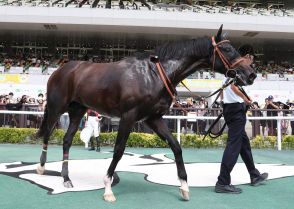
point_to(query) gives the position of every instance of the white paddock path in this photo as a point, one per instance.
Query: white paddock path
(88, 174)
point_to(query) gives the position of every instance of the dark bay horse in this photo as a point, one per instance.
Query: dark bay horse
(132, 90)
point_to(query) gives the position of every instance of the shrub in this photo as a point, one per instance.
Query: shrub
(27, 135)
(288, 142)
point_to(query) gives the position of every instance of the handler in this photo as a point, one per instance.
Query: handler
(238, 142)
(93, 119)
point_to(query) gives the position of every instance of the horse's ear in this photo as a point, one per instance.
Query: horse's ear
(218, 37)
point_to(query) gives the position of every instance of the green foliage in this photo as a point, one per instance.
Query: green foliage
(27, 135)
(288, 142)
(16, 135)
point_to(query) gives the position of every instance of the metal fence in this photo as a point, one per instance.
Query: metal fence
(177, 123)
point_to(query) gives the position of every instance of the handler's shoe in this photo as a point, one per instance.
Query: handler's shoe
(259, 180)
(230, 189)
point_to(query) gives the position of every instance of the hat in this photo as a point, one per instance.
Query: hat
(270, 97)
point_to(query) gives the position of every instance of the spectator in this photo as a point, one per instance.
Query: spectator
(263, 123)
(11, 99)
(40, 98)
(201, 124)
(271, 111)
(284, 123)
(3, 99)
(255, 123)
(292, 114)
(191, 123)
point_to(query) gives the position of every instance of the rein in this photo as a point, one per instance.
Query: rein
(219, 133)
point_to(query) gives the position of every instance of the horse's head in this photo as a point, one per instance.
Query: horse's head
(227, 60)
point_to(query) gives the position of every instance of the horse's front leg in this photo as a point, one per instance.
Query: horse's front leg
(159, 127)
(125, 127)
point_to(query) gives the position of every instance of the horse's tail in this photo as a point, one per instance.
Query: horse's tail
(43, 126)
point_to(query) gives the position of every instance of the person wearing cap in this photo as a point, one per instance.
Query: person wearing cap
(234, 110)
(271, 112)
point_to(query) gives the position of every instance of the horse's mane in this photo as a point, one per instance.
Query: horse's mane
(179, 49)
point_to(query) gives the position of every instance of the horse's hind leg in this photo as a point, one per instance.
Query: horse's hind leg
(48, 123)
(125, 127)
(76, 112)
(160, 128)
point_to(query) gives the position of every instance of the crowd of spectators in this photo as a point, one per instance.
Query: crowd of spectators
(25, 62)
(44, 63)
(271, 108)
(274, 68)
(11, 99)
(27, 103)
(265, 8)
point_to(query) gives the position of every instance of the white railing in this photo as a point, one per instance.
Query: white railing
(278, 118)
(180, 117)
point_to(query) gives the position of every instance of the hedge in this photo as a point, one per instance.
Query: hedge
(27, 136)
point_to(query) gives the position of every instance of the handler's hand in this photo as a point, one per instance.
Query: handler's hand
(247, 101)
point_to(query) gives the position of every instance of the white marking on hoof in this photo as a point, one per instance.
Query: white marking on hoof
(68, 184)
(108, 194)
(184, 190)
(40, 169)
(184, 194)
(109, 197)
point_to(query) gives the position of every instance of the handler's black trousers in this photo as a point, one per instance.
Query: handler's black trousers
(238, 143)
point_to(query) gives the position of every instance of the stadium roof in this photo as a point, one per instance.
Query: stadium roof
(146, 23)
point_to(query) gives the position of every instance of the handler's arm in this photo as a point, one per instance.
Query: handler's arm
(240, 94)
(222, 96)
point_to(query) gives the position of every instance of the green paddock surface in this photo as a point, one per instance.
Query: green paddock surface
(133, 192)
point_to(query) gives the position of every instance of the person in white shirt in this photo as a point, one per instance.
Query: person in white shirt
(234, 111)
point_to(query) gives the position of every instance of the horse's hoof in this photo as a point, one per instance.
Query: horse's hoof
(184, 194)
(109, 197)
(68, 184)
(40, 169)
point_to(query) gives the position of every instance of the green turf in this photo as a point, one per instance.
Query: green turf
(133, 192)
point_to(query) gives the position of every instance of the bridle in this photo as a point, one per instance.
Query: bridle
(231, 72)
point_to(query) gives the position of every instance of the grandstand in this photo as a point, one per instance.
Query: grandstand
(242, 7)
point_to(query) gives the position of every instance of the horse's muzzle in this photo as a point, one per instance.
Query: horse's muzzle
(241, 81)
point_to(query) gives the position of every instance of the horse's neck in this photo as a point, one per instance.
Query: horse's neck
(181, 69)
(191, 60)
